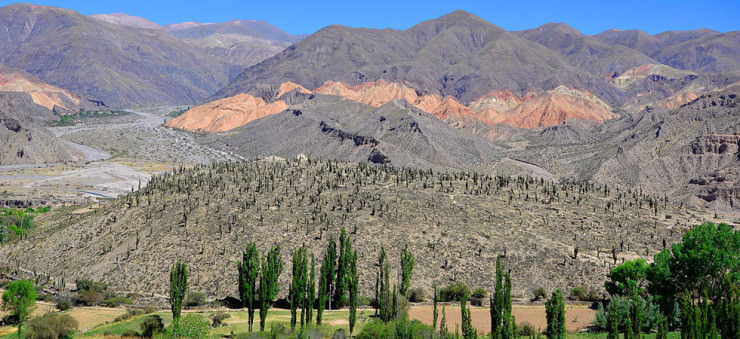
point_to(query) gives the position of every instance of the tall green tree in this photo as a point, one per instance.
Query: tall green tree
(248, 269)
(555, 314)
(384, 297)
(636, 314)
(627, 278)
(612, 326)
(19, 299)
(324, 285)
(628, 334)
(468, 331)
(354, 285)
(729, 310)
(497, 300)
(434, 312)
(508, 328)
(298, 285)
(178, 287)
(342, 281)
(331, 268)
(272, 267)
(310, 291)
(707, 255)
(407, 270)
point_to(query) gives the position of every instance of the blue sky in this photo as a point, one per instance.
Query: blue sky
(590, 17)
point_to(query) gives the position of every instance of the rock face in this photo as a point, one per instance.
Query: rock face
(530, 111)
(226, 114)
(551, 108)
(23, 139)
(42, 94)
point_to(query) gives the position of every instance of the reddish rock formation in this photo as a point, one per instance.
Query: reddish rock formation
(226, 114)
(42, 94)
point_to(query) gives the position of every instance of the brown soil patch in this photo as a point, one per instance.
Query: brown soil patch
(576, 316)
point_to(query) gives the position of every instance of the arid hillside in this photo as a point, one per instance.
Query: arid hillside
(554, 235)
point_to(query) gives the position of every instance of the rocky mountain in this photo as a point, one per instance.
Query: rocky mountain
(51, 97)
(23, 138)
(458, 54)
(115, 64)
(240, 43)
(124, 19)
(584, 52)
(330, 127)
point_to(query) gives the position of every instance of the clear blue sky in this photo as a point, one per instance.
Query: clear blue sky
(306, 16)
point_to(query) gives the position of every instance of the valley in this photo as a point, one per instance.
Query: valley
(540, 180)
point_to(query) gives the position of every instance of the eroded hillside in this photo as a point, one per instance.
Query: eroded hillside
(552, 234)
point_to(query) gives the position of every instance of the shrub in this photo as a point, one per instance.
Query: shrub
(339, 334)
(581, 294)
(195, 299)
(90, 298)
(453, 292)
(364, 301)
(189, 326)
(117, 301)
(218, 318)
(526, 329)
(149, 309)
(130, 334)
(152, 324)
(51, 325)
(416, 295)
(131, 312)
(378, 329)
(479, 293)
(539, 293)
(63, 302)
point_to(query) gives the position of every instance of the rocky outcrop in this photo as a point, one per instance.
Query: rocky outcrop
(226, 114)
(42, 94)
(716, 144)
(552, 108)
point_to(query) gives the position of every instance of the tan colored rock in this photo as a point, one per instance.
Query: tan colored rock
(42, 94)
(226, 114)
(552, 108)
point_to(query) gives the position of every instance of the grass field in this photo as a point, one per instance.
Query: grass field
(97, 322)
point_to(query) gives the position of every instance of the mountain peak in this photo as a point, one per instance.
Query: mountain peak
(559, 27)
(124, 19)
(456, 18)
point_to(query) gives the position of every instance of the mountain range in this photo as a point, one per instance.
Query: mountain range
(452, 92)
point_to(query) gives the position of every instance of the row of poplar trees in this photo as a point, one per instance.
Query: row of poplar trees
(338, 282)
(503, 323)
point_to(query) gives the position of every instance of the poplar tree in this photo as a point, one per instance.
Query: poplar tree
(298, 285)
(555, 313)
(323, 288)
(497, 300)
(613, 325)
(272, 266)
(178, 287)
(354, 284)
(407, 270)
(434, 313)
(310, 291)
(468, 331)
(384, 297)
(628, 334)
(636, 314)
(248, 269)
(345, 253)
